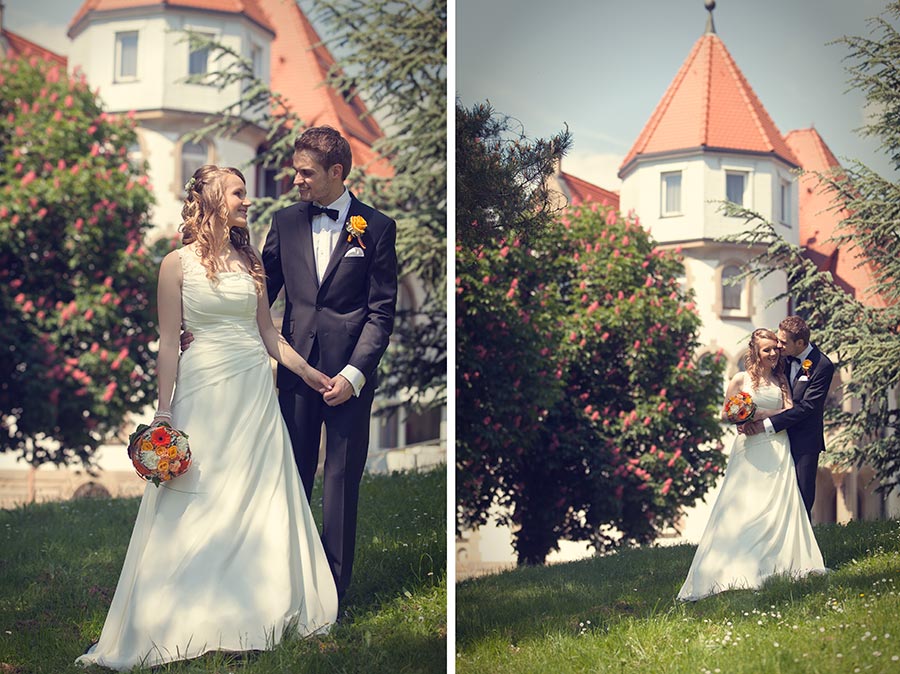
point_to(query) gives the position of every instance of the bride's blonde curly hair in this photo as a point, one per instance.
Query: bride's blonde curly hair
(753, 362)
(203, 208)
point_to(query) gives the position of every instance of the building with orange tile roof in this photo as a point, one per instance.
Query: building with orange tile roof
(13, 45)
(135, 53)
(711, 140)
(821, 215)
(574, 191)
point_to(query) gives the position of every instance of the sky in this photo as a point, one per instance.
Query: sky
(602, 66)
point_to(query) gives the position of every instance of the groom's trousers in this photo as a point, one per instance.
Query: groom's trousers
(806, 467)
(346, 448)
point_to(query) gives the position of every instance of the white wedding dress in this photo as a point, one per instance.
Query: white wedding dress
(758, 526)
(226, 556)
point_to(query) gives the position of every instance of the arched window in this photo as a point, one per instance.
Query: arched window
(193, 156)
(731, 292)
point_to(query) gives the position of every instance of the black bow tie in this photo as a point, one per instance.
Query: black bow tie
(315, 209)
(792, 359)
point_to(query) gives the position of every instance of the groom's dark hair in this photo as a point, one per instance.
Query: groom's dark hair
(796, 327)
(327, 146)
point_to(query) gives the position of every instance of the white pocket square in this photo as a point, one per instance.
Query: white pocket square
(354, 252)
(803, 378)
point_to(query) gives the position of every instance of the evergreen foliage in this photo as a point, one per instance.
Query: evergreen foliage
(77, 288)
(863, 332)
(394, 54)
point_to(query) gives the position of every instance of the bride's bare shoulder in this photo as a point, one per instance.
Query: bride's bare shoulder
(740, 379)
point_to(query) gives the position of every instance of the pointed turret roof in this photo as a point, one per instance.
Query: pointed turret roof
(709, 106)
(819, 219)
(249, 8)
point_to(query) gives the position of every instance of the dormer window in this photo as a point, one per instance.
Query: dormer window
(671, 193)
(126, 56)
(736, 187)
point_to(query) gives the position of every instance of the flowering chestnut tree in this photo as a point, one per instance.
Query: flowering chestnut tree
(584, 412)
(77, 288)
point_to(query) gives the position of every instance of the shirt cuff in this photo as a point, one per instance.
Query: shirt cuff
(356, 378)
(770, 429)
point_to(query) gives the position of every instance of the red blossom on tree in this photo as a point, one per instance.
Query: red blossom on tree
(59, 397)
(616, 427)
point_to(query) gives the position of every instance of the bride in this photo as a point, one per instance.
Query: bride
(758, 526)
(227, 556)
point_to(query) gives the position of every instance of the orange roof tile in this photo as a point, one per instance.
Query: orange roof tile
(818, 220)
(709, 106)
(300, 64)
(581, 191)
(19, 46)
(249, 8)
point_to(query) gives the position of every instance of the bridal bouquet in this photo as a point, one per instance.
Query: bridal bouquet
(159, 453)
(740, 408)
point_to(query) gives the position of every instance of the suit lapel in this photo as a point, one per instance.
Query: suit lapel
(799, 387)
(303, 242)
(342, 245)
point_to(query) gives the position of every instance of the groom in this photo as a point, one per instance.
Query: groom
(809, 375)
(335, 258)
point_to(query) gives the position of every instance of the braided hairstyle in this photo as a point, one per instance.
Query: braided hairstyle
(753, 363)
(203, 208)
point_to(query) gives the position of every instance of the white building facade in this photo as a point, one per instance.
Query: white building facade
(138, 58)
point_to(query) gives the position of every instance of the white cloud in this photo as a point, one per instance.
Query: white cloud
(597, 168)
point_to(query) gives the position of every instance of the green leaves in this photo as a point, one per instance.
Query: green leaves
(859, 330)
(75, 284)
(582, 410)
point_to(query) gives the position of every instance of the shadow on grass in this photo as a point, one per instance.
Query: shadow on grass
(530, 603)
(60, 562)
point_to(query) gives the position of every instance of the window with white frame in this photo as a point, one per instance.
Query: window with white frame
(731, 292)
(256, 60)
(671, 193)
(736, 187)
(198, 58)
(126, 55)
(784, 203)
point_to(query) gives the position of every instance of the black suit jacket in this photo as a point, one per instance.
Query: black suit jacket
(805, 420)
(351, 314)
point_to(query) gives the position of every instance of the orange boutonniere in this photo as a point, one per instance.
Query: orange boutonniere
(356, 226)
(805, 365)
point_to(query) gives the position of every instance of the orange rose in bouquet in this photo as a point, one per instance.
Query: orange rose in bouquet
(159, 453)
(740, 408)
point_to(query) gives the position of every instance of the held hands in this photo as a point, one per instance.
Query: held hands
(339, 392)
(186, 339)
(317, 381)
(752, 428)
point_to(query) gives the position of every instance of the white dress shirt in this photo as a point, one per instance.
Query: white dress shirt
(792, 375)
(325, 235)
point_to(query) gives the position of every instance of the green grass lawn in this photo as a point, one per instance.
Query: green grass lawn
(59, 564)
(618, 614)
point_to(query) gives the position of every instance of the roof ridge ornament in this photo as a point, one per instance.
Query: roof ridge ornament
(710, 25)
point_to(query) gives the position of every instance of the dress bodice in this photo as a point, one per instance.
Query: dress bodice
(222, 319)
(207, 304)
(767, 397)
